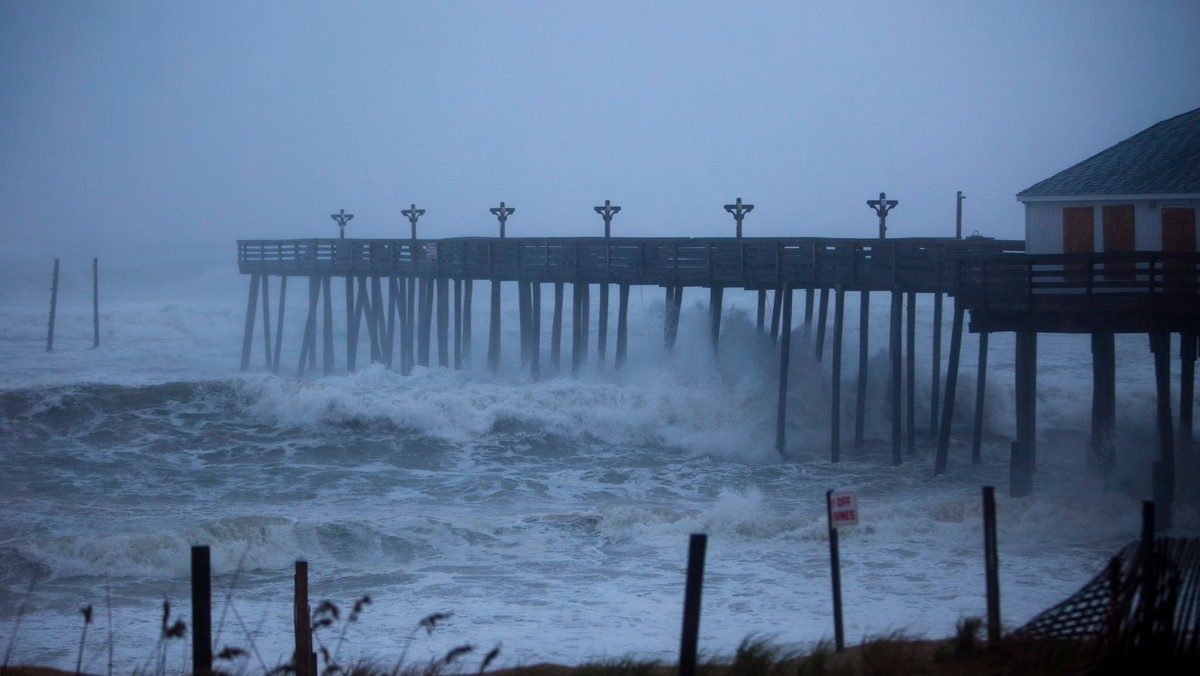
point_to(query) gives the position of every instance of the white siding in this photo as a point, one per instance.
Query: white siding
(1043, 223)
(1043, 227)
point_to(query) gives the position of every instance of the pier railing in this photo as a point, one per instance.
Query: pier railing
(913, 264)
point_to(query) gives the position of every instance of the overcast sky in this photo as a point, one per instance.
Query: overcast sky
(183, 126)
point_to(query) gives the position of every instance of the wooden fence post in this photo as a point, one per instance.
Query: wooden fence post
(691, 604)
(991, 565)
(303, 658)
(201, 610)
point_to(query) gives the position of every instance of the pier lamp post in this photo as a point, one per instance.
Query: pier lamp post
(739, 212)
(502, 213)
(342, 218)
(958, 216)
(607, 212)
(413, 213)
(882, 206)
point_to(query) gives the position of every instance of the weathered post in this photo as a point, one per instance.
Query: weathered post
(279, 323)
(785, 349)
(689, 642)
(266, 318)
(96, 307)
(54, 301)
(342, 219)
(991, 565)
(1187, 388)
(303, 658)
(622, 323)
(1164, 467)
(894, 382)
(1104, 392)
(882, 206)
(556, 323)
(201, 610)
(458, 325)
(468, 285)
(860, 400)
(943, 448)
(911, 367)
(247, 335)
(1026, 409)
(822, 318)
(936, 377)
(980, 392)
(327, 307)
(835, 426)
(716, 297)
(958, 215)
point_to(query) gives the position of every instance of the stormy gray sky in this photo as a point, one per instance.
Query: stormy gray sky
(182, 126)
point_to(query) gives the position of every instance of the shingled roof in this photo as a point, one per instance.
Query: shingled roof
(1162, 160)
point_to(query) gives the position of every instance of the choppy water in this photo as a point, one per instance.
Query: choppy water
(551, 517)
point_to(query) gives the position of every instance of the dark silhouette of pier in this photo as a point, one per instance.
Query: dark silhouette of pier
(1004, 289)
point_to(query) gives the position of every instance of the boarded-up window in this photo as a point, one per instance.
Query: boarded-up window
(1179, 236)
(1118, 238)
(1078, 238)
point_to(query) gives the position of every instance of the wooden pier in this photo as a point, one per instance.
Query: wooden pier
(1005, 291)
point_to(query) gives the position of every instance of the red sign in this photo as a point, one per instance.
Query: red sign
(843, 510)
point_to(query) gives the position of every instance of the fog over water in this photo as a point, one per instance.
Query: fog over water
(550, 516)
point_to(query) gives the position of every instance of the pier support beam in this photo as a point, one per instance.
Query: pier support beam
(835, 413)
(910, 398)
(943, 447)
(443, 321)
(1164, 468)
(389, 328)
(762, 309)
(535, 336)
(468, 289)
(775, 314)
(1101, 453)
(247, 335)
(458, 325)
(822, 317)
(524, 310)
(375, 319)
(716, 296)
(935, 379)
(307, 344)
(494, 329)
(602, 326)
(425, 320)
(1024, 458)
(894, 381)
(785, 347)
(674, 304)
(327, 306)
(980, 392)
(860, 399)
(279, 323)
(556, 328)
(622, 324)
(266, 303)
(1187, 390)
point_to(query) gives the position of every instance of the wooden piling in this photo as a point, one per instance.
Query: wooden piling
(576, 327)
(494, 329)
(524, 301)
(327, 306)
(835, 416)
(442, 285)
(468, 285)
(894, 383)
(403, 284)
(1104, 400)
(202, 656)
(991, 559)
(860, 399)
(585, 322)
(822, 317)
(279, 323)
(809, 306)
(266, 318)
(762, 310)
(302, 657)
(775, 314)
(1026, 409)
(943, 447)
(980, 393)
(622, 324)
(602, 326)
(308, 344)
(458, 325)
(556, 328)
(389, 339)
(785, 346)
(352, 323)
(375, 320)
(411, 307)
(535, 351)
(424, 319)
(1164, 485)
(936, 377)
(96, 307)
(247, 334)
(716, 297)
(690, 636)
(910, 398)
(672, 308)
(1187, 390)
